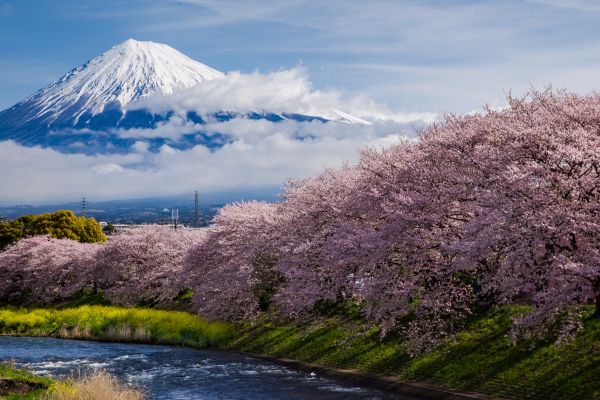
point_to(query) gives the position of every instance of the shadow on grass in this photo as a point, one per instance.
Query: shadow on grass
(481, 358)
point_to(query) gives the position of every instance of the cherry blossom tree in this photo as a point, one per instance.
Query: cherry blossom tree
(316, 256)
(417, 210)
(43, 270)
(143, 265)
(533, 176)
(231, 270)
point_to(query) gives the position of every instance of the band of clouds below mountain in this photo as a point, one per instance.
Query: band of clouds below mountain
(284, 91)
(140, 173)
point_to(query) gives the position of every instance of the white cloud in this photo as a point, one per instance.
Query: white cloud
(173, 129)
(577, 5)
(284, 91)
(140, 147)
(262, 153)
(107, 168)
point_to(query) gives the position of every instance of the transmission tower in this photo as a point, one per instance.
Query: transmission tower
(83, 206)
(196, 210)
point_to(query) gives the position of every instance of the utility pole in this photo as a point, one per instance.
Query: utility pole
(174, 217)
(196, 210)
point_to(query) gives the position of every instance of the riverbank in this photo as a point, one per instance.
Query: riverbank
(17, 384)
(480, 359)
(386, 383)
(114, 324)
(99, 323)
(21, 385)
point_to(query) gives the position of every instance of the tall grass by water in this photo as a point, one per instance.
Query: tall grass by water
(18, 384)
(97, 386)
(106, 323)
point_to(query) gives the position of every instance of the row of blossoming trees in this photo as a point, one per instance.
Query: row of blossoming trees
(141, 266)
(499, 208)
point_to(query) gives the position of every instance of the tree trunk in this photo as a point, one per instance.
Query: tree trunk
(597, 294)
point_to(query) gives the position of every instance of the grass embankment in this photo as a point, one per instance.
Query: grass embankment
(106, 323)
(17, 384)
(480, 359)
(22, 385)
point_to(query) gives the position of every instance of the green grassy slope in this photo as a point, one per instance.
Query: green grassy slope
(8, 372)
(479, 359)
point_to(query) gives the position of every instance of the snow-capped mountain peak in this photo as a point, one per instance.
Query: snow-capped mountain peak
(95, 108)
(123, 74)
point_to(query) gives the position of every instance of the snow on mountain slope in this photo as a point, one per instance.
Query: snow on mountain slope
(340, 116)
(123, 74)
(95, 107)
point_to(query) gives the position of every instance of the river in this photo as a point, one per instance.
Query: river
(170, 373)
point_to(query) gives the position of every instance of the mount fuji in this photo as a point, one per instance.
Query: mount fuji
(87, 110)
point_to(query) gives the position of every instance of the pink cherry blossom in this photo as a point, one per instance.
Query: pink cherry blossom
(43, 270)
(143, 265)
(225, 269)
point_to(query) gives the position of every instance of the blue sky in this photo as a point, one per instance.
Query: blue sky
(393, 62)
(412, 55)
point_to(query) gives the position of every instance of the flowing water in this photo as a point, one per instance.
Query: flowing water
(177, 373)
